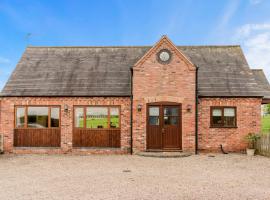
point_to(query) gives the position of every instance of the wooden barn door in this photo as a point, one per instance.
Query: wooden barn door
(171, 127)
(154, 127)
(164, 126)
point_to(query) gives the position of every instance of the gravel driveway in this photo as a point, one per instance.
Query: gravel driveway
(232, 176)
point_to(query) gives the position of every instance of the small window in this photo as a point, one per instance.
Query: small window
(20, 116)
(55, 117)
(114, 117)
(223, 116)
(217, 116)
(229, 117)
(79, 117)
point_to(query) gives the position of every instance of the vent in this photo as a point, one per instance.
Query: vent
(1, 143)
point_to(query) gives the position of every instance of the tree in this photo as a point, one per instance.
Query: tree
(267, 108)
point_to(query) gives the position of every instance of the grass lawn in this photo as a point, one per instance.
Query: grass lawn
(266, 123)
(95, 122)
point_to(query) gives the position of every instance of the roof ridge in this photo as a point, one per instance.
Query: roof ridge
(139, 46)
(207, 46)
(87, 46)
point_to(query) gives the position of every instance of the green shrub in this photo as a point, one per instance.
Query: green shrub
(251, 138)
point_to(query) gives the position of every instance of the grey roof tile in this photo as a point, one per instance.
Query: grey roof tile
(105, 71)
(262, 82)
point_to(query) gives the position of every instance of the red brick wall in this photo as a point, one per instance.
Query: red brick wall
(155, 82)
(7, 120)
(248, 120)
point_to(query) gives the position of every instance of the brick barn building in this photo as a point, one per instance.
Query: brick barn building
(123, 99)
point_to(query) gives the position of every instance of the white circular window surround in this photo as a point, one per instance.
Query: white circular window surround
(164, 56)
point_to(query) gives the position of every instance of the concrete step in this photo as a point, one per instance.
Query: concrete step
(164, 154)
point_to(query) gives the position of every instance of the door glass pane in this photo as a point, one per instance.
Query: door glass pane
(153, 120)
(170, 120)
(154, 111)
(54, 117)
(79, 117)
(114, 117)
(171, 111)
(37, 117)
(171, 115)
(97, 117)
(154, 115)
(20, 117)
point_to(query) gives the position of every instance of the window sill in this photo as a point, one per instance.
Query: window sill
(223, 127)
(97, 148)
(35, 148)
(99, 129)
(37, 128)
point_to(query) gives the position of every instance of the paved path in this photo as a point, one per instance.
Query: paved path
(68, 177)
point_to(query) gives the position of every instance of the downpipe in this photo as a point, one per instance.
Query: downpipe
(196, 110)
(131, 111)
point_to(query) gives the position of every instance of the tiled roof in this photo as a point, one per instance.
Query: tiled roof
(105, 71)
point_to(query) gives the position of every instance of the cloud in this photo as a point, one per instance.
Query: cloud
(255, 40)
(4, 60)
(247, 29)
(227, 14)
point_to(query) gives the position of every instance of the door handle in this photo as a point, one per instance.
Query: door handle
(163, 130)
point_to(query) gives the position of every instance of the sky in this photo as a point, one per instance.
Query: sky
(133, 22)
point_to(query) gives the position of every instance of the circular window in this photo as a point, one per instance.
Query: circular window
(164, 56)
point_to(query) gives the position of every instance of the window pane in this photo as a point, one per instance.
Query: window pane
(217, 112)
(229, 121)
(169, 120)
(37, 117)
(171, 111)
(217, 120)
(20, 117)
(114, 123)
(154, 111)
(79, 116)
(54, 117)
(229, 112)
(153, 120)
(229, 117)
(97, 117)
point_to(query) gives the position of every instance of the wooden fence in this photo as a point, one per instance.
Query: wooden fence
(263, 145)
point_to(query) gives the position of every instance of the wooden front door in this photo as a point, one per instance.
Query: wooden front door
(164, 127)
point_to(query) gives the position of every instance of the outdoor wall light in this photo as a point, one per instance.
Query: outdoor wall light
(189, 107)
(139, 107)
(65, 107)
